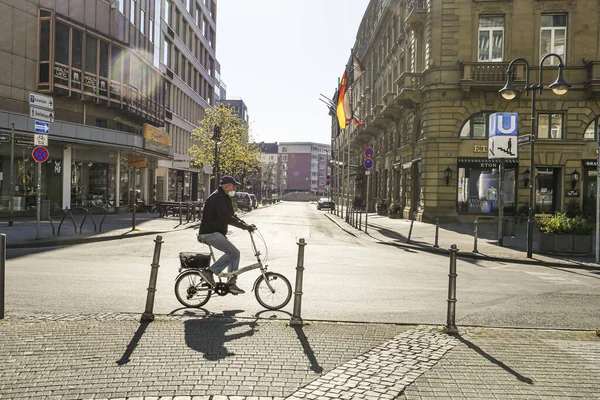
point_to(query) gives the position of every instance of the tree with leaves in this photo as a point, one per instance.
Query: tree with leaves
(238, 155)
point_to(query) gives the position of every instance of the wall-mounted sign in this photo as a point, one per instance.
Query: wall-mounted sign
(156, 139)
(137, 162)
(480, 149)
(572, 193)
(503, 131)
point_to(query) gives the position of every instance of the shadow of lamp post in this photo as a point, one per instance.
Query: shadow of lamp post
(509, 92)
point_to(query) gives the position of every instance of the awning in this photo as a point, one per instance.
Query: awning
(407, 165)
(485, 162)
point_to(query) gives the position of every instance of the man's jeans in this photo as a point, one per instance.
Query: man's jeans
(230, 259)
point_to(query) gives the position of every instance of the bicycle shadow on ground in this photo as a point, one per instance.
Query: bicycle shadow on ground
(209, 335)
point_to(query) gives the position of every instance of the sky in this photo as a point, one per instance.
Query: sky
(279, 55)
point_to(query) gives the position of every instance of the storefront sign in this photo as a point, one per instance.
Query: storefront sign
(156, 139)
(480, 149)
(572, 193)
(137, 162)
(4, 138)
(483, 162)
(24, 140)
(590, 163)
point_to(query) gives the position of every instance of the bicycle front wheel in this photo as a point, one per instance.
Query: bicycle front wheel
(191, 290)
(277, 295)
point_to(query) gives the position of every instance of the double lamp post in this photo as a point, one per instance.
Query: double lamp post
(509, 92)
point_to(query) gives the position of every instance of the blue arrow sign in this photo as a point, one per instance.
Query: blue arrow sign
(41, 127)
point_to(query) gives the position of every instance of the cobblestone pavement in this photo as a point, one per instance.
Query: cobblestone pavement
(113, 356)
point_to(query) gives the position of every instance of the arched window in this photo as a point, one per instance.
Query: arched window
(592, 128)
(476, 126)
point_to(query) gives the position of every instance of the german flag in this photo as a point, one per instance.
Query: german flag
(341, 113)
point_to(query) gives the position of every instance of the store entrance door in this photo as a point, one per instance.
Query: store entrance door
(589, 191)
(548, 188)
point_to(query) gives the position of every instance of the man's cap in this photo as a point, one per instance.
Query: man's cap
(229, 179)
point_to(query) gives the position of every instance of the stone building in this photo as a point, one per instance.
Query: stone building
(434, 69)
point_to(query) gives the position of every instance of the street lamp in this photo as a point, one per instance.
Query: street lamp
(217, 138)
(509, 92)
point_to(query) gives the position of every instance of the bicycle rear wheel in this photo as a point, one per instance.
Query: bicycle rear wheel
(191, 290)
(276, 298)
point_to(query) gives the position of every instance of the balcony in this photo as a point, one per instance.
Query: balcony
(593, 77)
(409, 89)
(391, 108)
(416, 12)
(485, 75)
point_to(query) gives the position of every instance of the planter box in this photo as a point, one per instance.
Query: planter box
(565, 244)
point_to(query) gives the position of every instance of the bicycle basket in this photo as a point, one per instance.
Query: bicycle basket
(194, 260)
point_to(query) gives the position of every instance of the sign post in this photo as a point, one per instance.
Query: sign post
(598, 199)
(503, 131)
(369, 153)
(40, 154)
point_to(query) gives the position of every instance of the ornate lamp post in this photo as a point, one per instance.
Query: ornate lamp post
(217, 138)
(509, 92)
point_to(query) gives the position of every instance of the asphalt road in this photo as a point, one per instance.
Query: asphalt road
(345, 279)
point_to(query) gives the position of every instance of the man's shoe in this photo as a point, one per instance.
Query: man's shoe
(235, 290)
(207, 275)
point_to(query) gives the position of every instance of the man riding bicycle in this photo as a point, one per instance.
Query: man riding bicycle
(217, 215)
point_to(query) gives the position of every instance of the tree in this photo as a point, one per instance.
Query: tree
(237, 153)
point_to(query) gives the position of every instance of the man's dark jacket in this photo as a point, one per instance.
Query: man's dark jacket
(218, 214)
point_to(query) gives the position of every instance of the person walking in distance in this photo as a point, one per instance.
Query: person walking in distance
(217, 215)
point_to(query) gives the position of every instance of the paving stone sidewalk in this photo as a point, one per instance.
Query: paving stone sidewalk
(113, 356)
(396, 232)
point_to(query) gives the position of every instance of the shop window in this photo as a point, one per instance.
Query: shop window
(90, 53)
(591, 130)
(476, 126)
(553, 37)
(478, 186)
(77, 49)
(44, 53)
(491, 38)
(550, 126)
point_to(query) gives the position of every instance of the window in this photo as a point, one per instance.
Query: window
(491, 38)
(553, 37)
(188, 5)
(476, 126)
(166, 53)
(143, 21)
(321, 158)
(132, 12)
(121, 6)
(101, 123)
(478, 187)
(167, 12)
(313, 174)
(314, 148)
(284, 150)
(103, 59)
(550, 126)
(151, 31)
(90, 53)
(314, 157)
(592, 128)
(61, 41)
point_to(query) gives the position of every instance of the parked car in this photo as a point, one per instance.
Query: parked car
(254, 201)
(324, 202)
(243, 201)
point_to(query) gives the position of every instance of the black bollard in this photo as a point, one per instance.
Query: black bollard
(148, 315)
(437, 232)
(475, 236)
(296, 318)
(2, 272)
(450, 327)
(412, 222)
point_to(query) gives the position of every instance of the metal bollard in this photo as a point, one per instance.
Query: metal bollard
(296, 318)
(412, 222)
(437, 232)
(475, 236)
(148, 315)
(450, 327)
(2, 272)
(360, 220)
(180, 221)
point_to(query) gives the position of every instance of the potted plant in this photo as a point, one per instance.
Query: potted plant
(382, 207)
(395, 210)
(560, 234)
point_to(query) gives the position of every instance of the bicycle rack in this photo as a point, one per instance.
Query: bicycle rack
(103, 216)
(66, 213)
(86, 212)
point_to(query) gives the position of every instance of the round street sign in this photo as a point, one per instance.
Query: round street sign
(369, 152)
(368, 163)
(40, 154)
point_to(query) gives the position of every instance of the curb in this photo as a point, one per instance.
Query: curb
(472, 256)
(73, 241)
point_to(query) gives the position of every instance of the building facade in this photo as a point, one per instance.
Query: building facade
(188, 61)
(433, 72)
(268, 170)
(98, 61)
(303, 167)
(238, 107)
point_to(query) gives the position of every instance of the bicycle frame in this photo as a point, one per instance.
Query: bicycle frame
(258, 264)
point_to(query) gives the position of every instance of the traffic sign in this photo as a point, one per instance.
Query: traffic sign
(40, 100)
(525, 139)
(40, 113)
(369, 152)
(40, 154)
(503, 124)
(41, 127)
(368, 172)
(40, 139)
(502, 147)
(4, 137)
(368, 163)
